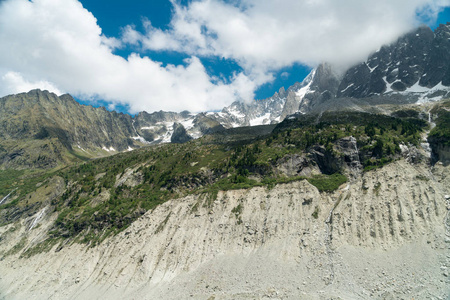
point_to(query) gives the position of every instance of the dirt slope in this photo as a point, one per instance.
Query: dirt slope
(382, 236)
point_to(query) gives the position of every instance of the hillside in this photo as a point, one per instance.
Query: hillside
(289, 241)
(293, 203)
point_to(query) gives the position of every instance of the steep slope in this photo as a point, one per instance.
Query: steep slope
(287, 242)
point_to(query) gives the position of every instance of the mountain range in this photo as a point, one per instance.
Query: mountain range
(413, 69)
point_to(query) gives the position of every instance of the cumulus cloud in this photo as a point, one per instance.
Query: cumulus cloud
(14, 83)
(265, 35)
(57, 45)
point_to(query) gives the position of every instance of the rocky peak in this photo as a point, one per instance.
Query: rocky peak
(323, 87)
(420, 57)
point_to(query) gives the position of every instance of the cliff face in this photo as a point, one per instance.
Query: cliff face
(383, 235)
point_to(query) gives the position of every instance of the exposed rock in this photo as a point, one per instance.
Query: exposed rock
(179, 135)
(326, 160)
(207, 125)
(348, 147)
(297, 165)
(323, 88)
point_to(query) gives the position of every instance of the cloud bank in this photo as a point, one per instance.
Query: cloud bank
(57, 45)
(265, 35)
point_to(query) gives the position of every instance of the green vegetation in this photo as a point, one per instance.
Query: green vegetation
(237, 213)
(102, 198)
(441, 133)
(41, 247)
(163, 224)
(18, 247)
(327, 183)
(422, 177)
(20, 183)
(315, 213)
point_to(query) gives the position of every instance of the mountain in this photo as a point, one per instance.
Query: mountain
(418, 62)
(415, 68)
(40, 129)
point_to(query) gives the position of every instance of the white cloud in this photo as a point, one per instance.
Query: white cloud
(265, 35)
(58, 45)
(284, 75)
(14, 83)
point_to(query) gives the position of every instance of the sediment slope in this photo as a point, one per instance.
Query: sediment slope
(383, 236)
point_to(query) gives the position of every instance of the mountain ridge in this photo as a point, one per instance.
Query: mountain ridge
(413, 69)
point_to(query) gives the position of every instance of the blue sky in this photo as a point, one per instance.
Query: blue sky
(190, 55)
(113, 15)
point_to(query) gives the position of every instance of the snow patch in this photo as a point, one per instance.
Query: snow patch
(262, 120)
(351, 84)
(140, 139)
(301, 93)
(110, 149)
(38, 218)
(188, 123)
(371, 69)
(236, 113)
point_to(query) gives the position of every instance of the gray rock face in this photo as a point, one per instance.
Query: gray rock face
(349, 148)
(207, 125)
(421, 57)
(297, 165)
(179, 135)
(414, 68)
(323, 88)
(291, 106)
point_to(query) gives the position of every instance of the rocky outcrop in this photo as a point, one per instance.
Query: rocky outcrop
(291, 105)
(207, 125)
(179, 135)
(343, 157)
(440, 152)
(323, 88)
